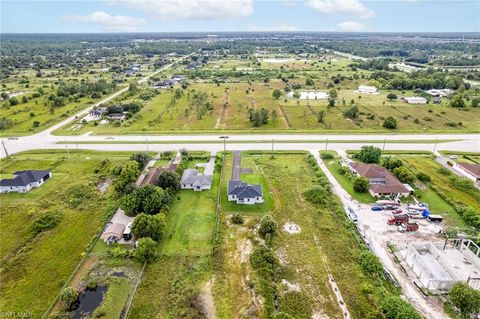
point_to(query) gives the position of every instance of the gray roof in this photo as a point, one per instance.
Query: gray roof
(192, 177)
(243, 190)
(23, 178)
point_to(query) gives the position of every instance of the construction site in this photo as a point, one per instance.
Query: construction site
(437, 267)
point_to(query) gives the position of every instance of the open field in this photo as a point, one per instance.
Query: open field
(326, 245)
(35, 267)
(241, 88)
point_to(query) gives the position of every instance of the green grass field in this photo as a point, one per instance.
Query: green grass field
(34, 268)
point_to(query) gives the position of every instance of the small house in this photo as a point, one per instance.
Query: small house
(192, 179)
(414, 100)
(113, 233)
(471, 169)
(245, 194)
(23, 181)
(367, 89)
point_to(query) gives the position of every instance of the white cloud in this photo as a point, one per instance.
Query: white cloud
(108, 22)
(351, 26)
(341, 7)
(277, 27)
(190, 9)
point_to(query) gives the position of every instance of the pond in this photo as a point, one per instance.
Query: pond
(89, 301)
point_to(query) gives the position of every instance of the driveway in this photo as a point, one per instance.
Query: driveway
(236, 166)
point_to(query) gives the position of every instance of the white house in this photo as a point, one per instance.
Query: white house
(440, 92)
(191, 179)
(414, 100)
(242, 193)
(365, 89)
(23, 181)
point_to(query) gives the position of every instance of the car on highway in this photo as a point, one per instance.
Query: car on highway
(12, 138)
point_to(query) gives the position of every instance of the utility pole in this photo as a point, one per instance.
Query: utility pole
(146, 141)
(224, 137)
(4, 148)
(68, 151)
(384, 142)
(273, 142)
(326, 144)
(435, 145)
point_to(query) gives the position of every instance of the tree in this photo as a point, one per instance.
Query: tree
(309, 82)
(369, 154)
(128, 175)
(146, 250)
(276, 94)
(268, 227)
(361, 184)
(457, 101)
(333, 93)
(148, 199)
(403, 174)
(274, 116)
(352, 112)
(390, 123)
(36, 124)
(69, 296)
(465, 298)
(13, 101)
(331, 102)
(141, 158)
(321, 116)
(391, 96)
(394, 307)
(169, 180)
(392, 162)
(149, 226)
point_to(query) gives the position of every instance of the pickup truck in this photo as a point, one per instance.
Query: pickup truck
(408, 227)
(398, 219)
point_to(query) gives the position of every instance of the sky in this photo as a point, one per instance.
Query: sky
(73, 16)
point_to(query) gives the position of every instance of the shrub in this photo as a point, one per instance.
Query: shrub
(465, 298)
(370, 264)
(237, 219)
(141, 158)
(45, 222)
(268, 227)
(69, 296)
(361, 184)
(326, 156)
(424, 177)
(390, 123)
(394, 307)
(317, 194)
(444, 171)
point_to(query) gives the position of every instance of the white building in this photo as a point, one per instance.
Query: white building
(309, 95)
(440, 92)
(365, 89)
(24, 181)
(245, 194)
(192, 179)
(414, 100)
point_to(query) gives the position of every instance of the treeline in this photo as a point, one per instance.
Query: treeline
(424, 79)
(83, 88)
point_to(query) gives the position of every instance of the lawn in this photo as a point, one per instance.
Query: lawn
(346, 180)
(326, 244)
(185, 258)
(34, 268)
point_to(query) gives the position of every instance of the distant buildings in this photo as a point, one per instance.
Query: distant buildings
(309, 95)
(440, 92)
(24, 181)
(367, 89)
(165, 84)
(414, 100)
(382, 182)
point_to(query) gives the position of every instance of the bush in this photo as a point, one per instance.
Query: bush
(326, 156)
(390, 123)
(370, 264)
(465, 299)
(444, 171)
(237, 219)
(423, 177)
(146, 250)
(268, 227)
(403, 174)
(394, 307)
(69, 296)
(361, 184)
(45, 222)
(141, 158)
(317, 194)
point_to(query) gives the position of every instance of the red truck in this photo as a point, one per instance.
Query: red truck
(408, 227)
(398, 219)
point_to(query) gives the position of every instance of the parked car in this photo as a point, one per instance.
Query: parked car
(12, 138)
(398, 211)
(415, 214)
(376, 208)
(390, 207)
(408, 227)
(453, 157)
